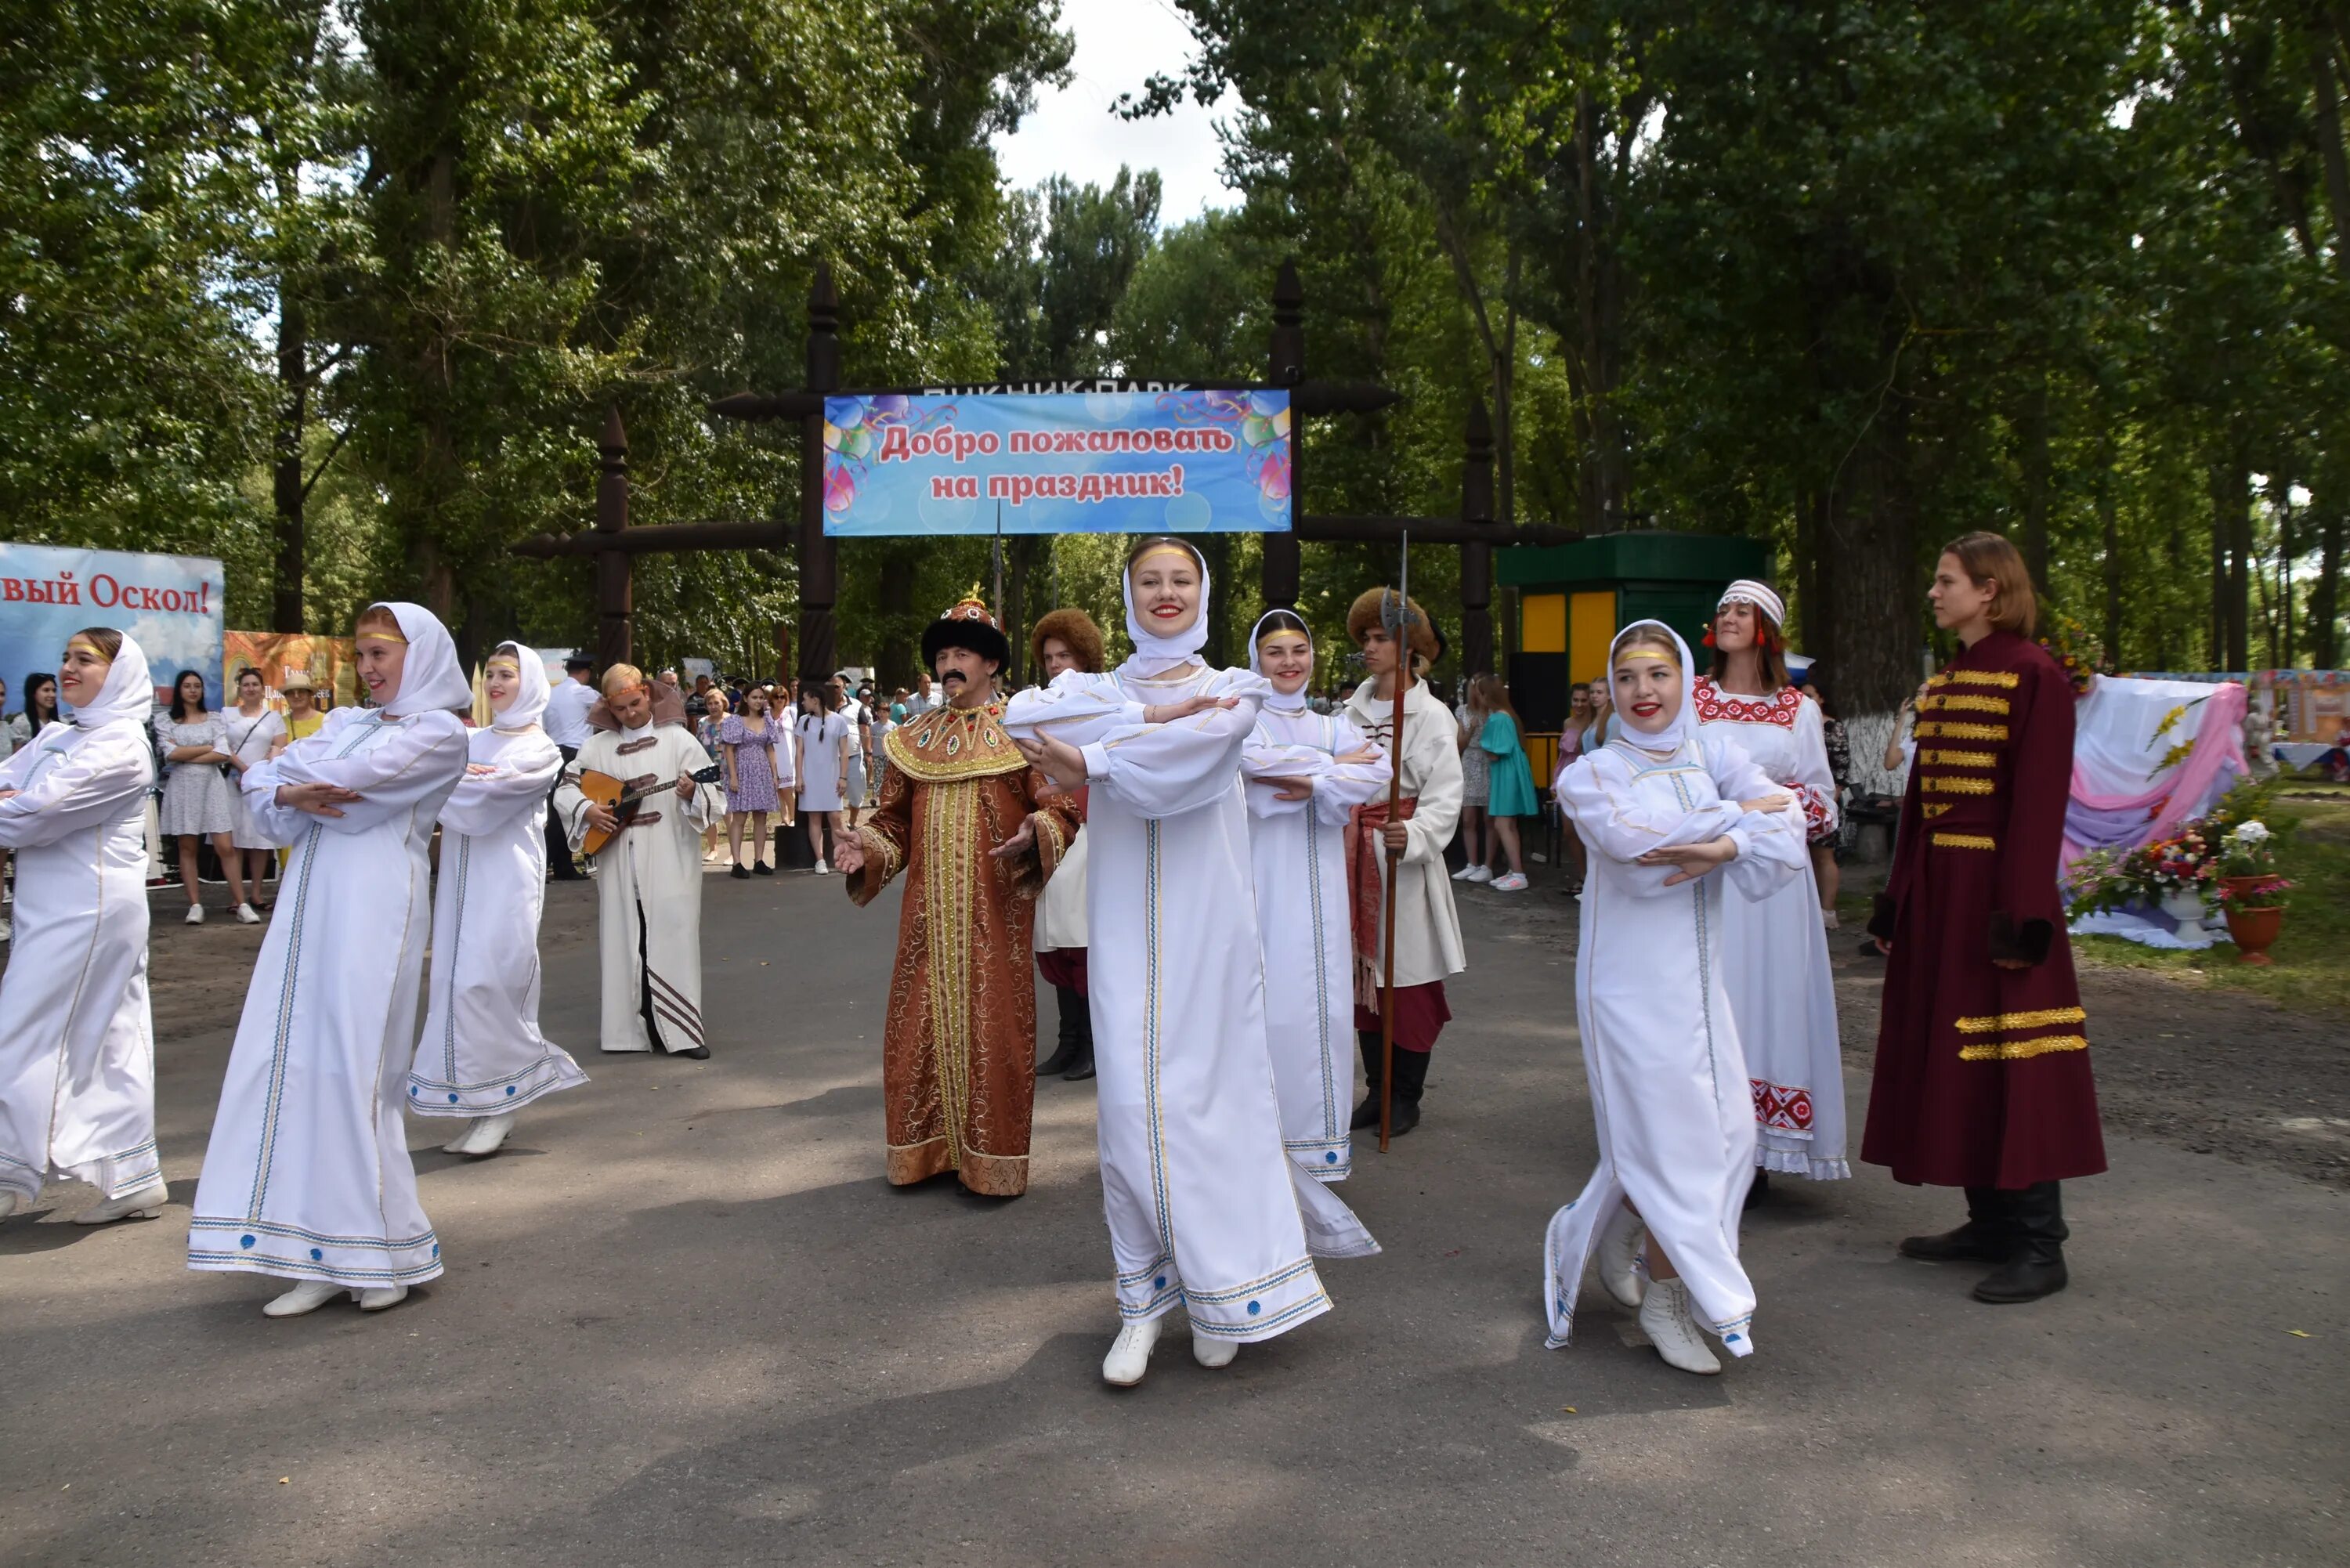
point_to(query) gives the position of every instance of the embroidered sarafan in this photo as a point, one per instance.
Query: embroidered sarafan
(1715, 704)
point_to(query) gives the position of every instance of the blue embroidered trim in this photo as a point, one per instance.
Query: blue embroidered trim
(456, 948)
(1257, 1328)
(271, 1228)
(1253, 1288)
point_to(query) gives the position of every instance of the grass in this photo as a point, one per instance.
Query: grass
(2312, 972)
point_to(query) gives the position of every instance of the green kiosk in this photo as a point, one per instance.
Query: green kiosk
(1574, 598)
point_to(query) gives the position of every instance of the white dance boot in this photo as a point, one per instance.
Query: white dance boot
(308, 1295)
(147, 1203)
(1619, 1257)
(1665, 1319)
(382, 1297)
(1209, 1351)
(1130, 1354)
(10, 1202)
(464, 1136)
(487, 1135)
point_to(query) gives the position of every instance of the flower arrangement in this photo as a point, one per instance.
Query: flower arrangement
(2075, 651)
(2247, 869)
(2185, 862)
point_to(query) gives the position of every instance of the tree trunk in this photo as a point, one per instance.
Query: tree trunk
(2280, 655)
(2328, 100)
(1869, 570)
(286, 487)
(2235, 498)
(2325, 597)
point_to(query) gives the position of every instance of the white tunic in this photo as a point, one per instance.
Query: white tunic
(1299, 850)
(76, 1043)
(1204, 1210)
(308, 1176)
(1667, 1081)
(649, 886)
(482, 1052)
(1775, 952)
(1427, 928)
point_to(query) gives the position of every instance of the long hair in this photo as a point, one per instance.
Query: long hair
(1770, 642)
(179, 695)
(39, 712)
(1989, 558)
(1494, 698)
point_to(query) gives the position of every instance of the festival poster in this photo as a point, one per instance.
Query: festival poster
(1101, 461)
(169, 605)
(330, 660)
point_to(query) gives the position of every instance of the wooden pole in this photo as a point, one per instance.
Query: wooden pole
(818, 573)
(614, 580)
(1400, 632)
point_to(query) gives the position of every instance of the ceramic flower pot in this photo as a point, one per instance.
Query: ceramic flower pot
(2252, 930)
(2184, 906)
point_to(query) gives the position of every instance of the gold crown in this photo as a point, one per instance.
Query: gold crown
(972, 608)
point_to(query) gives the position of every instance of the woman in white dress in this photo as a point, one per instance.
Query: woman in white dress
(1659, 808)
(1775, 952)
(254, 731)
(1307, 771)
(821, 740)
(199, 801)
(482, 1055)
(307, 1176)
(1206, 1211)
(77, 1055)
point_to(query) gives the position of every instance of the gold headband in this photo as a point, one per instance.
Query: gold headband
(1164, 550)
(87, 647)
(502, 663)
(383, 637)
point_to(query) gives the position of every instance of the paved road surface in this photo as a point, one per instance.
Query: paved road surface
(685, 1322)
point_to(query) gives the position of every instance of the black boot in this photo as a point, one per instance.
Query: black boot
(1411, 1083)
(1083, 1068)
(1988, 1236)
(1065, 1053)
(1367, 1115)
(2037, 1267)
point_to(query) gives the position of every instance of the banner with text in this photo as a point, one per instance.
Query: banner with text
(171, 605)
(1076, 463)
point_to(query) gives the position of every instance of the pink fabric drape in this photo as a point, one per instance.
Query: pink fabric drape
(2175, 795)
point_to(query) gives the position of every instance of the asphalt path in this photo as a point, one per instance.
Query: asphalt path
(686, 1321)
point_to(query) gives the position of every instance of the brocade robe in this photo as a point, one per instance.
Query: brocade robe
(959, 1050)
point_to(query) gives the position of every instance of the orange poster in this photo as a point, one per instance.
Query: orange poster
(273, 653)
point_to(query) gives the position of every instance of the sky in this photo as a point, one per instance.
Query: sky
(1073, 132)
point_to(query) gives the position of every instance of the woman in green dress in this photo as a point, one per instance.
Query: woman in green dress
(1510, 780)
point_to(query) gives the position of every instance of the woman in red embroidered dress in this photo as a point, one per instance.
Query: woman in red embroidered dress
(1983, 1061)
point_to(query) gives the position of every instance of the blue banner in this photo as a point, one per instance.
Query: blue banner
(171, 605)
(1077, 462)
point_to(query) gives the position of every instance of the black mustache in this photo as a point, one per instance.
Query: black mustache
(950, 676)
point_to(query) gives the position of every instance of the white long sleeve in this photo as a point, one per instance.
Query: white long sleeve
(1166, 770)
(1613, 819)
(495, 793)
(1078, 708)
(74, 787)
(411, 764)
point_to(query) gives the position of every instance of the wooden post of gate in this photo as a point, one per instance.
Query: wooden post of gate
(819, 571)
(614, 580)
(1285, 367)
(1477, 554)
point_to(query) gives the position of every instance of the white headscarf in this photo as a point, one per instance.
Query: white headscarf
(1277, 699)
(1157, 654)
(530, 701)
(431, 679)
(1683, 729)
(127, 696)
(1747, 591)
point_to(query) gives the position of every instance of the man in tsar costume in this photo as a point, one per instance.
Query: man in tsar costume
(649, 898)
(1427, 929)
(974, 829)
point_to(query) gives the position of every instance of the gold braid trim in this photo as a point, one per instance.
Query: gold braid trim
(2021, 1050)
(1934, 808)
(1964, 841)
(949, 744)
(1936, 759)
(1938, 785)
(877, 846)
(1962, 703)
(1943, 728)
(2007, 1023)
(2000, 678)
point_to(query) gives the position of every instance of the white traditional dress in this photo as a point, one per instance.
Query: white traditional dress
(1774, 951)
(649, 878)
(1661, 1046)
(1298, 848)
(308, 1176)
(1205, 1210)
(482, 1052)
(76, 1043)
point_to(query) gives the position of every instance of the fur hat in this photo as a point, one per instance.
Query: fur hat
(1075, 627)
(1365, 614)
(967, 625)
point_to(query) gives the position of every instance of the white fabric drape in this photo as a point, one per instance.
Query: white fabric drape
(308, 1174)
(77, 1041)
(1298, 849)
(482, 1052)
(1205, 1210)
(1660, 1045)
